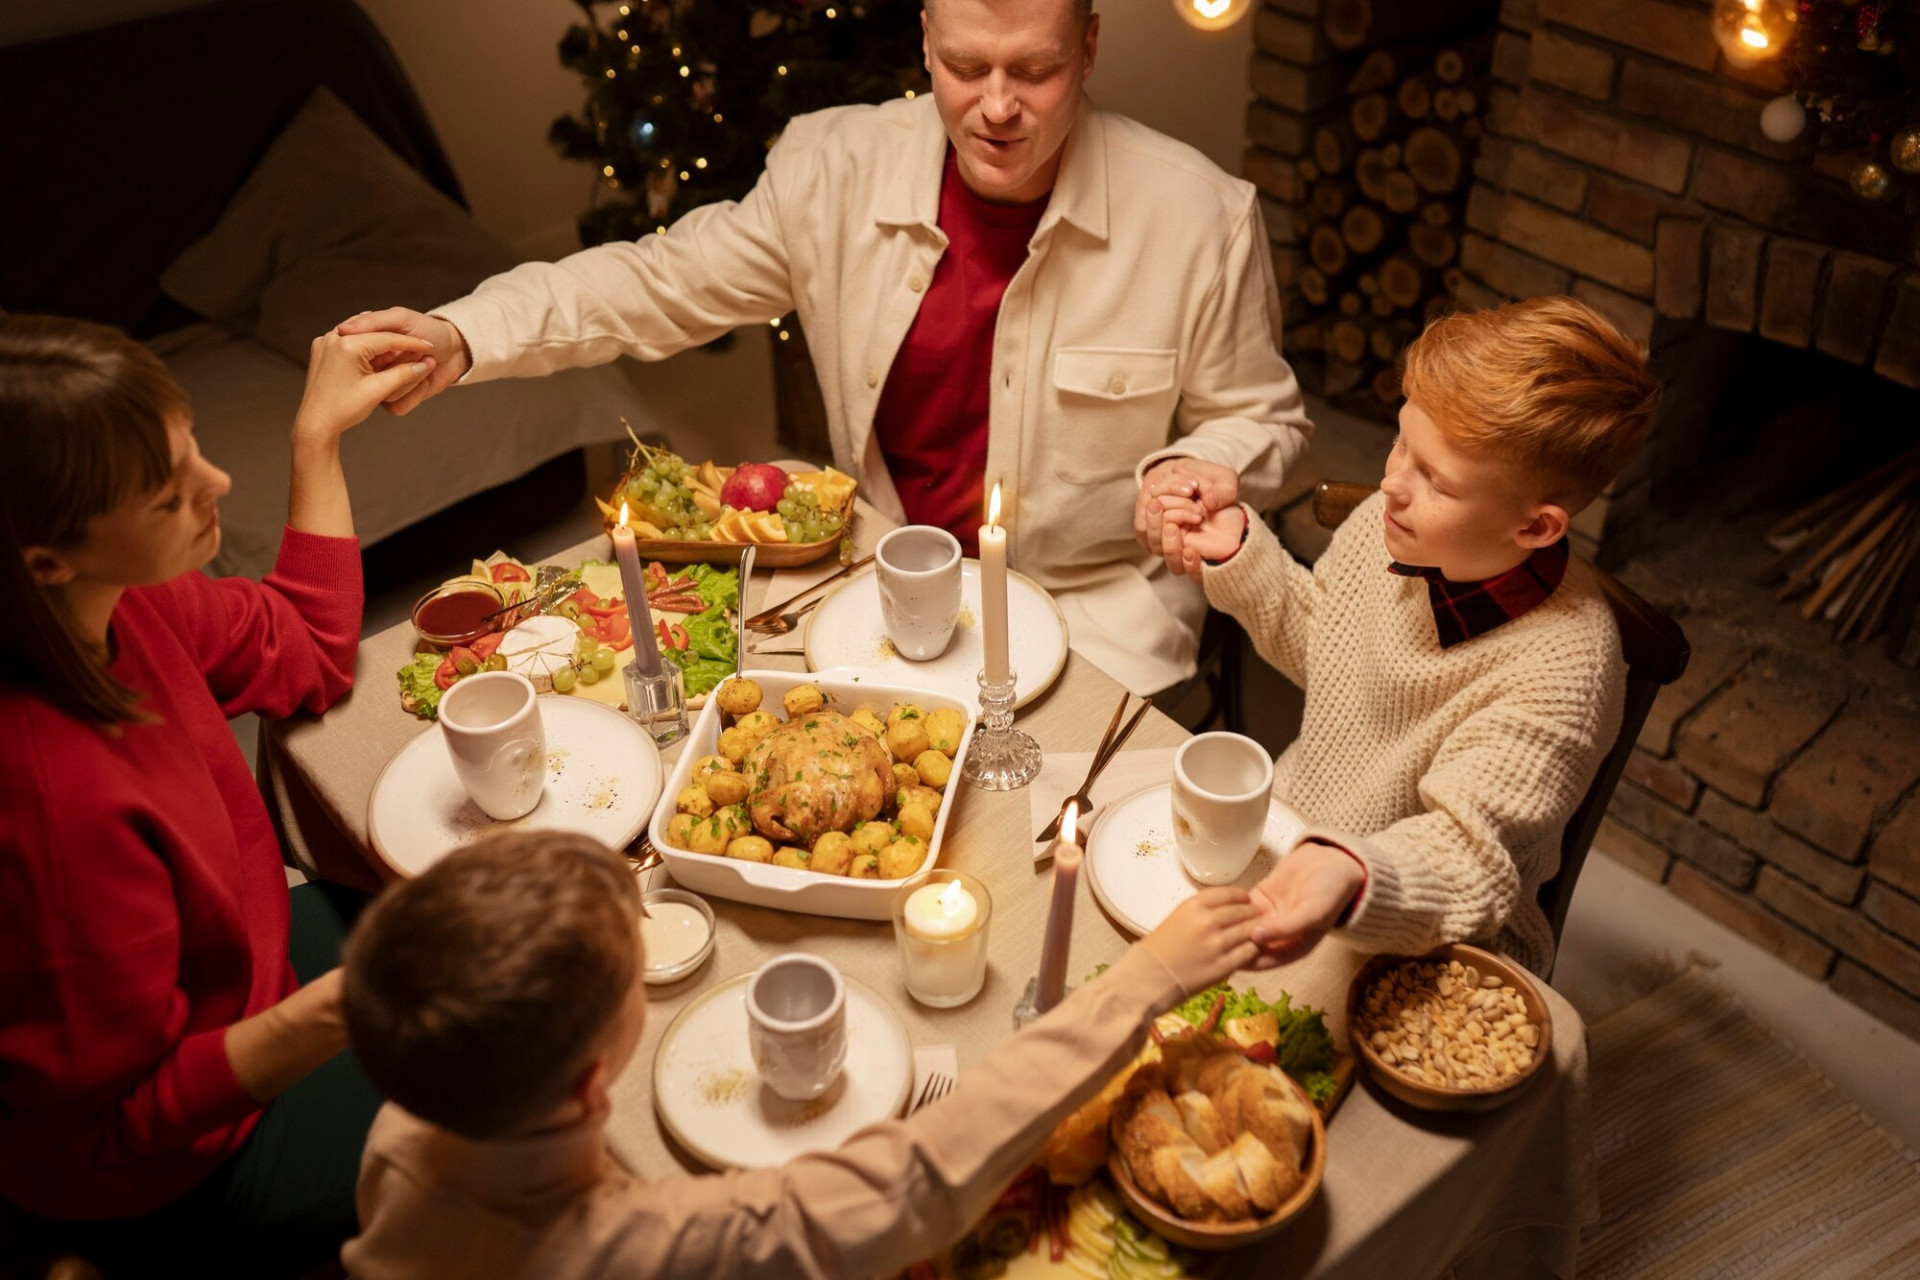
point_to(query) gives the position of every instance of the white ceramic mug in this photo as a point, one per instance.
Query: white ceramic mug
(491, 723)
(1222, 787)
(918, 569)
(797, 1025)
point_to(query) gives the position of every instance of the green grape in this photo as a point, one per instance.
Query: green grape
(563, 679)
(602, 661)
(569, 610)
(587, 647)
(498, 662)
(589, 676)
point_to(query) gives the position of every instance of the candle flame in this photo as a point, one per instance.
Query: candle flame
(993, 505)
(1757, 39)
(623, 515)
(1213, 9)
(1070, 821)
(953, 897)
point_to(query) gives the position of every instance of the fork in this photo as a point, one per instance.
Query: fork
(1081, 799)
(937, 1086)
(772, 622)
(782, 623)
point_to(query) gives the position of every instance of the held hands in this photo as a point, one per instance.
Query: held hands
(451, 359)
(1302, 898)
(1190, 482)
(1190, 534)
(347, 377)
(1207, 937)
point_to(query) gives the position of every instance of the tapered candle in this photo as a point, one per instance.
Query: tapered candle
(993, 591)
(633, 580)
(1066, 878)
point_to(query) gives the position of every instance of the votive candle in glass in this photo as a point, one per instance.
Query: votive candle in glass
(941, 925)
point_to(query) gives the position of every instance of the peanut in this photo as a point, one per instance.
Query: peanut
(1448, 1025)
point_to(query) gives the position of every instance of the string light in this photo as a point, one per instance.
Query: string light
(685, 71)
(660, 230)
(700, 162)
(610, 73)
(716, 117)
(1212, 15)
(684, 175)
(832, 14)
(783, 335)
(608, 170)
(909, 95)
(780, 70)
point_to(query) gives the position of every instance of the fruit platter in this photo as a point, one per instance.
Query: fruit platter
(681, 513)
(567, 630)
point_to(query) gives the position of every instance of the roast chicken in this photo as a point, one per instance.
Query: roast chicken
(816, 773)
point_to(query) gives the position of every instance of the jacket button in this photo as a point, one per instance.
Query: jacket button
(916, 284)
(873, 379)
(1118, 386)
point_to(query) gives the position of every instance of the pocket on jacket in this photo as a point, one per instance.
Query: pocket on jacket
(1114, 406)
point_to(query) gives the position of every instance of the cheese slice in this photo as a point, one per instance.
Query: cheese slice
(539, 647)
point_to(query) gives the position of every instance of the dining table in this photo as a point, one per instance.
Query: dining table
(1407, 1193)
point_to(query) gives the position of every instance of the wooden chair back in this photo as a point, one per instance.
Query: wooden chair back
(1656, 653)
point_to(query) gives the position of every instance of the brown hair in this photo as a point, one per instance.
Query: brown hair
(1547, 383)
(83, 425)
(475, 993)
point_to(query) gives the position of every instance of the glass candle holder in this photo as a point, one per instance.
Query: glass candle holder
(1000, 757)
(941, 926)
(659, 702)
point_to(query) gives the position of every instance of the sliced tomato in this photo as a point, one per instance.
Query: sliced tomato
(580, 598)
(605, 608)
(459, 651)
(657, 571)
(445, 674)
(612, 630)
(506, 572)
(486, 646)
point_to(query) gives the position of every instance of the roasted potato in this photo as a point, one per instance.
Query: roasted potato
(904, 711)
(833, 853)
(710, 764)
(865, 867)
(751, 849)
(916, 820)
(693, 799)
(934, 767)
(906, 738)
(728, 788)
(758, 724)
(917, 795)
(789, 856)
(803, 698)
(739, 696)
(872, 837)
(945, 729)
(680, 830)
(902, 858)
(905, 775)
(709, 835)
(872, 723)
(734, 744)
(734, 821)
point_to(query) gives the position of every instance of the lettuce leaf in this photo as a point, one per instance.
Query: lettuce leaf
(416, 683)
(718, 587)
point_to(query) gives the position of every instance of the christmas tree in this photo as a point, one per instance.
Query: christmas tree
(685, 97)
(1855, 65)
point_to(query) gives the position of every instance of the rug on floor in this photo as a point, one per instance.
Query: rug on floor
(1724, 1153)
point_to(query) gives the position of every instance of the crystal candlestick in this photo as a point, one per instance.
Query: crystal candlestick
(1000, 758)
(659, 701)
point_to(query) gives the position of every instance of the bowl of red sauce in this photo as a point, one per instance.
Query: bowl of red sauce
(458, 613)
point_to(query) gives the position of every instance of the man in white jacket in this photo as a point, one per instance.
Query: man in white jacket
(1004, 284)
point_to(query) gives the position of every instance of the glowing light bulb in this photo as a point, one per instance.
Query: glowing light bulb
(1752, 31)
(1212, 15)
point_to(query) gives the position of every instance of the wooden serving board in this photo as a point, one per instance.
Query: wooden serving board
(767, 555)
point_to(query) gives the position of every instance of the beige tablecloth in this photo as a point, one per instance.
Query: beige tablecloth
(1407, 1193)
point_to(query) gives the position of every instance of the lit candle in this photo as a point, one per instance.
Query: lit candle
(993, 591)
(646, 654)
(941, 927)
(1066, 878)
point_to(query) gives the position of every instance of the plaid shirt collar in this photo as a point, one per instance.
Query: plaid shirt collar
(1464, 610)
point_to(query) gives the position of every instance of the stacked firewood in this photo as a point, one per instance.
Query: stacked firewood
(1852, 556)
(1385, 185)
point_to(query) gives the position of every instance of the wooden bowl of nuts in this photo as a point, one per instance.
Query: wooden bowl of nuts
(1461, 1029)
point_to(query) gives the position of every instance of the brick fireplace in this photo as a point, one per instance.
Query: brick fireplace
(1616, 156)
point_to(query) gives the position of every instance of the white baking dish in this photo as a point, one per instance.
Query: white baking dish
(789, 888)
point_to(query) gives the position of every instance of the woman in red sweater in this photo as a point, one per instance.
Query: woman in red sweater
(169, 1091)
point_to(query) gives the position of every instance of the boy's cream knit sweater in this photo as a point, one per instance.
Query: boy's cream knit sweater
(1451, 773)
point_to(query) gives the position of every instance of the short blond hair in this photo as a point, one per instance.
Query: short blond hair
(1548, 384)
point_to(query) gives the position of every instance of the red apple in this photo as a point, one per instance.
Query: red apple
(754, 486)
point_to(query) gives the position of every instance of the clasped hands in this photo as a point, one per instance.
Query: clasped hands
(1187, 511)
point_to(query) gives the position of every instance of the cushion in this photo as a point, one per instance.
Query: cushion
(330, 222)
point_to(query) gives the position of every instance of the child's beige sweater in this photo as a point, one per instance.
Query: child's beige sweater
(1451, 773)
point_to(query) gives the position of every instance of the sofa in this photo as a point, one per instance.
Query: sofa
(229, 180)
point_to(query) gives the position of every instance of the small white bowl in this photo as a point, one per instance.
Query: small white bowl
(660, 975)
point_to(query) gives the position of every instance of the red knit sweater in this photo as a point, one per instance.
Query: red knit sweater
(143, 908)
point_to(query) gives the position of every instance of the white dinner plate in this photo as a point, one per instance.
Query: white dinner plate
(603, 777)
(711, 1099)
(846, 630)
(1135, 869)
